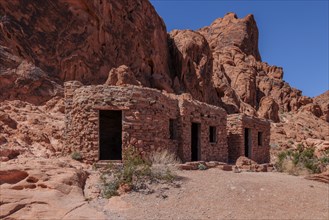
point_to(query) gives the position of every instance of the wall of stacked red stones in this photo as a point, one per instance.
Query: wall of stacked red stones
(145, 122)
(206, 115)
(236, 125)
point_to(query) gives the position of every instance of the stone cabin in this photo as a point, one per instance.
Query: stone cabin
(248, 136)
(102, 120)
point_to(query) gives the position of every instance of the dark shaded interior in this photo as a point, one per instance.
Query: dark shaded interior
(172, 129)
(110, 135)
(212, 134)
(260, 138)
(195, 141)
(247, 142)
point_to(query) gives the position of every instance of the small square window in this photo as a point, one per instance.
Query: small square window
(172, 129)
(260, 138)
(212, 134)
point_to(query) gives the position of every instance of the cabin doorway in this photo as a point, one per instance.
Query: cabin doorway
(247, 142)
(110, 135)
(195, 142)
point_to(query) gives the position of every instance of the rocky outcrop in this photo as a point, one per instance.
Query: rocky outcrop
(269, 109)
(296, 127)
(125, 42)
(231, 31)
(234, 44)
(90, 41)
(240, 79)
(121, 76)
(31, 130)
(21, 79)
(192, 65)
(39, 188)
(323, 101)
(83, 40)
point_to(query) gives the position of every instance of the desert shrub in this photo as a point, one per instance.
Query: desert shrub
(110, 189)
(76, 155)
(281, 158)
(299, 161)
(136, 170)
(202, 167)
(324, 160)
(163, 156)
(134, 165)
(162, 172)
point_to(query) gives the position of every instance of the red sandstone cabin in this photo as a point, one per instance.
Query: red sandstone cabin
(101, 121)
(248, 136)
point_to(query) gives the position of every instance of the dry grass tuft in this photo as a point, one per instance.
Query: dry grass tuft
(164, 157)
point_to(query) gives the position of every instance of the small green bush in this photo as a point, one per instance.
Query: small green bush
(110, 189)
(202, 167)
(324, 160)
(76, 156)
(134, 172)
(300, 160)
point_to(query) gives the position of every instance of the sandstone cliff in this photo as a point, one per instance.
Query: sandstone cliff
(83, 40)
(44, 43)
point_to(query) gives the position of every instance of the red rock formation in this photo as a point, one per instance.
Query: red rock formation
(83, 40)
(269, 109)
(231, 31)
(121, 76)
(20, 79)
(44, 43)
(192, 65)
(323, 101)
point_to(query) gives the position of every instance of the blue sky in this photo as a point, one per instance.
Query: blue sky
(292, 34)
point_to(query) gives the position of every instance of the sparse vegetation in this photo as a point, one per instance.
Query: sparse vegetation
(163, 157)
(202, 167)
(76, 156)
(290, 142)
(137, 171)
(301, 160)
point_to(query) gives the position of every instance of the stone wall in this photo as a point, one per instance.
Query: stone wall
(145, 121)
(236, 124)
(206, 115)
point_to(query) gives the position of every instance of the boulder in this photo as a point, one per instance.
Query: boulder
(122, 76)
(244, 161)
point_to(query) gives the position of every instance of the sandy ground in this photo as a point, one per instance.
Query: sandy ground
(216, 194)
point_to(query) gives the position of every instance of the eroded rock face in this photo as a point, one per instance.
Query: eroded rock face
(192, 65)
(21, 79)
(231, 31)
(296, 127)
(323, 101)
(34, 188)
(125, 42)
(121, 76)
(234, 44)
(83, 40)
(31, 130)
(269, 109)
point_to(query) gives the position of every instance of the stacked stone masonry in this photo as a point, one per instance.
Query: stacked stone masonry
(258, 139)
(152, 120)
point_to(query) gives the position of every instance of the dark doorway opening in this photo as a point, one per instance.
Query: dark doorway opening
(195, 142)
(110, 135)
(260, 138)
(212, 134)
(247, 142)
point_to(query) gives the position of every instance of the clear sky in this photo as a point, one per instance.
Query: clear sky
(292, 33)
